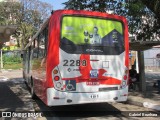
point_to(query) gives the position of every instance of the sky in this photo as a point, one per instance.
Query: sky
(57, 4)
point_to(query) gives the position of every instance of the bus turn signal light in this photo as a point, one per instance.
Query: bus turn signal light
(55, 71)
(126, 71)
(125, 77)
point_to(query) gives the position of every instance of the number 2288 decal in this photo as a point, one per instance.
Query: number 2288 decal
(74, 63)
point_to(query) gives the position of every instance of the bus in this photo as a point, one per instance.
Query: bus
(78, 57)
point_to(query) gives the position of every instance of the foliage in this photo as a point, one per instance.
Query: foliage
(143, 23)
(91, 5)
(9, 48)
(27, 30)
(11, 59)
(7, 10)
(32, 15)
(146, 24)
(28, 15)
(153, 5)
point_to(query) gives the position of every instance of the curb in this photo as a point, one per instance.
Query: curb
(150, 105)
(129, 101)
(3, 78)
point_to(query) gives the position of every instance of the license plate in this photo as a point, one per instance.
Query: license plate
(94, 73)
(92, 83)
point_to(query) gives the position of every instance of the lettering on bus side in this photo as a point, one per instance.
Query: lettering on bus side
(74, 63)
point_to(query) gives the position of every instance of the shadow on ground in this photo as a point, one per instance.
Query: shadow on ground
(9, 101)
(78, 111)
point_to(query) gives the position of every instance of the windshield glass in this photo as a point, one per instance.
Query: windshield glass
(87, 35)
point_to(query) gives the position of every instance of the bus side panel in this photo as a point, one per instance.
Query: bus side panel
(53, 47)
(126, 43)
(38, 74)
(26, 65)
(126, 46)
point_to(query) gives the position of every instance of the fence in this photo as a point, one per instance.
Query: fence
(152, 64)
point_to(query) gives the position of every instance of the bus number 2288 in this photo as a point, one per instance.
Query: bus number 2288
(74, 62)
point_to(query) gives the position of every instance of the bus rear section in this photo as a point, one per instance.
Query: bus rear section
(90, 62)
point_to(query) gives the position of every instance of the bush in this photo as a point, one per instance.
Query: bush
(11, 58)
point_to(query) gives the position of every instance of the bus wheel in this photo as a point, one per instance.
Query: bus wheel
(33, 95)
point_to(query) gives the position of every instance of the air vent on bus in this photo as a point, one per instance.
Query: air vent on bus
(108, 88)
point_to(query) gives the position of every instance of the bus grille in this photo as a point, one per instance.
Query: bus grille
(108, 89)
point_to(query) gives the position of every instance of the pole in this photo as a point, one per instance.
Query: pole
(141, 72)
(1, 60)
(137, 65)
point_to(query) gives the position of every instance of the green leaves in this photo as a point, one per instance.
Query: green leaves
(28, 15)
(27, 31)
(143, 15)
(8, 12)
(93, 5)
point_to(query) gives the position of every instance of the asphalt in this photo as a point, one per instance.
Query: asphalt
(149, 99)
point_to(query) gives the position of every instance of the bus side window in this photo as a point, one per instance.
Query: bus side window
(41, 45)
(35, 53)
(46, 39)
(43, 38)
(35, 48)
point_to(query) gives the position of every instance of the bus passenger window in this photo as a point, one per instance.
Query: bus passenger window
(41, 45)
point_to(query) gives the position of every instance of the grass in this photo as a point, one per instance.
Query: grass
(13, 66)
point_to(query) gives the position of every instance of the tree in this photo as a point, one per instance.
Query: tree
(33, 13)
(28, 15)
(148, 27)
(153, 5)
(91, 5)
(8, 9)
(142, 21)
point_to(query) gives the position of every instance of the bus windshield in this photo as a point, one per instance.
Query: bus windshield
(88, 35)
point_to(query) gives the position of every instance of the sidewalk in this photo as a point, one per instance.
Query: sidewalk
(150, 99)
(11, 73)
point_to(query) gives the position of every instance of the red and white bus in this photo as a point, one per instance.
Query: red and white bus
(78, 57)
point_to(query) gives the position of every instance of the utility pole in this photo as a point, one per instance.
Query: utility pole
(142, 72)
(1, 60)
